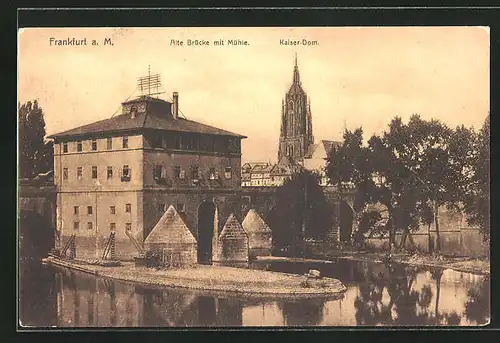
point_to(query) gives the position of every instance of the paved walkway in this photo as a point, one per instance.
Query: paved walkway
(217, 278)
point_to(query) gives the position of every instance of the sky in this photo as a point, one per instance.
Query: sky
(353, 76)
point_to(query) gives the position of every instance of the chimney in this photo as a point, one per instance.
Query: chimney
(175, 105)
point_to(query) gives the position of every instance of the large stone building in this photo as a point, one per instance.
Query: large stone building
(296, 148)
(121, 174)
(296, 134)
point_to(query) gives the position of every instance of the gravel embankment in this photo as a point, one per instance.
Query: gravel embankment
(217, 278)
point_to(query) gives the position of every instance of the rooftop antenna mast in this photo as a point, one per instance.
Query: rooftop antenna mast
(149, 82)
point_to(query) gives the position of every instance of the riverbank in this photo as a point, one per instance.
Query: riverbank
(460, 264)
(247, 282)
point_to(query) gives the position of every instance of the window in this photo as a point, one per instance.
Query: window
(94, 144)
(157, 141)
(195, 172)
(161, 208)
(128, 208)
(65, 173)
(180, 207)
(109, 143)
(65, 147)
(212, 173)
(125, 142)
(89, 209)
(110, 173)
(128, 226)
(177, 172)
(112, 226)
(177, 142)
(112, 210)
(227, 172)
(79, 146)
(231, 145)
(79, 172)
(157, 172)
(94, 172)
(76, 226)
(126, 173)
(89, 226)
(133, 111)
(75, 210)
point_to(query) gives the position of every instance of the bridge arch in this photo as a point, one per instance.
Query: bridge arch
(207, 231)
(36, 235)
(346, 221)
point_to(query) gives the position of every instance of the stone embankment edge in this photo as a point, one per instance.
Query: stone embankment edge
(200, 286)
(445, 265)
(420, 264)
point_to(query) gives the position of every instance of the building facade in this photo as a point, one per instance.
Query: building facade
(121, 174)
(315, 160)
(296, 148)
(296, 133)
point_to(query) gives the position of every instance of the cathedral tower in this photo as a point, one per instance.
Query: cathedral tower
(296, 123)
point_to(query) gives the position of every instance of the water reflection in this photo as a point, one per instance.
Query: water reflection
(307, 312)
(478, 302)
(376, 295)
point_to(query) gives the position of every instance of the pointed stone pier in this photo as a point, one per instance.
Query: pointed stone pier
(259, 235)
(173, 238)
(233, 243)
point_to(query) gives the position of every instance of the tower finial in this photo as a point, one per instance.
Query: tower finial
(296, 77)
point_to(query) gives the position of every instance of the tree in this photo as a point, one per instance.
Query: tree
(378, 175)
(411, 169)
(35, 155)
(477, 203)
(300, 204)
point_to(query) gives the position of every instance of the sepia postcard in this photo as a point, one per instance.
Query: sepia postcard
(221, 177)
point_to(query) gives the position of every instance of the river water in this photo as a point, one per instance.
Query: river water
(376, 295)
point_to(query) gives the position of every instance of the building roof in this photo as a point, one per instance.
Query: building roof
(261, 168)
(156, 121)
(254, 223)
(232, 229)
(285, 169)
(330, 144)
(171, 228)
(325, 144)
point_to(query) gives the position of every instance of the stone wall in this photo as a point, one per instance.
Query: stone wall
(259, 235)
(173, 239)
(233, 242)
(101, 220)
(463, 242)
(36, 218)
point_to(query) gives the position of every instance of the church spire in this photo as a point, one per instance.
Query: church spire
(296, 77)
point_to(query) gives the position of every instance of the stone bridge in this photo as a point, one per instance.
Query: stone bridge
(262, 199)
(37, 213)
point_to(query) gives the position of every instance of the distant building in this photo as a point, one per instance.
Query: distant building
(296, 134)
(316, 158)
(121, 174)
(296, 149)
(256, 174)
